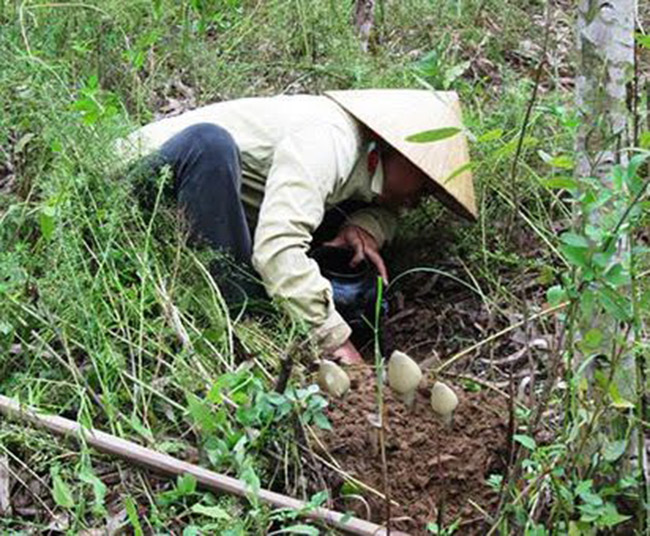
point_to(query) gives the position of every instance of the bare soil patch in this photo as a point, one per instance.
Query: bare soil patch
(429, 464)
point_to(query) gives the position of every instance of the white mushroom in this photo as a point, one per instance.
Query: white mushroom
(404, 376)
(333, 379)
(443, 401)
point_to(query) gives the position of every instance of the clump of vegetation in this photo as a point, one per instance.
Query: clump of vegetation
(107, 316)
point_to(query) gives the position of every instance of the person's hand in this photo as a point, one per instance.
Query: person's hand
(347, 354)
(364, 245)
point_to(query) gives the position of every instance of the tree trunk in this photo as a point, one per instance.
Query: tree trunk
(606, 59)
(364, 19)
(606, 65)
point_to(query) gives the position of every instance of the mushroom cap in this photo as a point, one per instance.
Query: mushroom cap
(333, 379)
(404, 374)
(443, 399)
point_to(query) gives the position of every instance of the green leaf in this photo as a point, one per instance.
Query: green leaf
(602, 259)
(491, 135)
(558, 183)
(575, 255)
(644, 140)
(186, 484)
(60, 490)
(562, 162)
(251, 479)
(527, 441)
(350, 488)
(322, 422)
(643, 40)
(610, 517)
(511, 146)
(617, 276)
(213, 512)
(5, 328)
(573, 239)
(46, 221)
(593, 338)
(457, 171)
(437, 134)
(318, 499)
(613, 450)
(495, 481)
(556, 295)
(201, 413)
(346, 517)
(617, 400)
(454, 73)
(584, 487)
(132, 512)
(616, 304)
(140, 428)
(87, 476)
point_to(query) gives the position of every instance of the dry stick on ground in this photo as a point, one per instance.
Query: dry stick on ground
(164, 463)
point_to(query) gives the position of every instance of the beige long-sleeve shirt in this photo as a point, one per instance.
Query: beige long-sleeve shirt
(301, 155)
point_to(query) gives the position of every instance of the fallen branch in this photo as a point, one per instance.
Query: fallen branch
(169, 465)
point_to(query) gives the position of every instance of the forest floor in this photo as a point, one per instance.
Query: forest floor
(439, 472)
(108, 318)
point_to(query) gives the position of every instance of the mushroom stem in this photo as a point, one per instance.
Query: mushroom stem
(408, 399)
(448, 420)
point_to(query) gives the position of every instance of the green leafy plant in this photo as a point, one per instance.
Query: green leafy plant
(95, 104)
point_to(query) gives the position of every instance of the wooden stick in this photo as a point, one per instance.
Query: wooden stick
(169, 465)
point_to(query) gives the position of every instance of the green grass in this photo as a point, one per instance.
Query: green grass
(107, 317)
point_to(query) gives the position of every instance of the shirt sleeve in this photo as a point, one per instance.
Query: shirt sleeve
(378, 221)
(307, 165)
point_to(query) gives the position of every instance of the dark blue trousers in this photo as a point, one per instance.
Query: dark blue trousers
(206, 164)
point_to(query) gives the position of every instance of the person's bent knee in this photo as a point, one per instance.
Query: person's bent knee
(208, 137)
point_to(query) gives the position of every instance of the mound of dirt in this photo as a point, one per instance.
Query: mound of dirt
(429, 464)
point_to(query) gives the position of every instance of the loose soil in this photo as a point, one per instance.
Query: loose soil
(430, 465)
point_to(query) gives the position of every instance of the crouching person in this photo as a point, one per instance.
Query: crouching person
(257, 178)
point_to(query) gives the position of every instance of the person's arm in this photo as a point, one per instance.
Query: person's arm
(380, 222)
(365, 232)
(306, 168)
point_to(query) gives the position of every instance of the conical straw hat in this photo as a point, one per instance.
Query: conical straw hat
(395, 114)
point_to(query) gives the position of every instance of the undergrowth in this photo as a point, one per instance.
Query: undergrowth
(107, 317)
